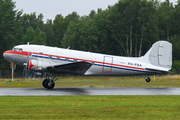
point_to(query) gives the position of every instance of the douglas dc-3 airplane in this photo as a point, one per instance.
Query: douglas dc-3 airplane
(54, 60)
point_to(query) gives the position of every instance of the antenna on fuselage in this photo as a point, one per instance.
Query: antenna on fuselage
(29, 43)
(68, 47)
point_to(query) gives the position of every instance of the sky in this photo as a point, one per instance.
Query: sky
(50, 8)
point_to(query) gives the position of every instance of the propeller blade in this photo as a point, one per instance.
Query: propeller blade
(26, 67)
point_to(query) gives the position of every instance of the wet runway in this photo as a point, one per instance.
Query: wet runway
(87, 91)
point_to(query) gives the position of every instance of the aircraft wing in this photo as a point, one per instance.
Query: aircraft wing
(71, 68)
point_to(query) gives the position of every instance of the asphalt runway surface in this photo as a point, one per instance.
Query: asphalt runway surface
(87, 91)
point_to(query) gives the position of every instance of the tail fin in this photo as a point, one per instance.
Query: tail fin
(160, 54)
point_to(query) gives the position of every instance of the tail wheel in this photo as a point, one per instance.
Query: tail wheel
(49, 84)
(148, 80)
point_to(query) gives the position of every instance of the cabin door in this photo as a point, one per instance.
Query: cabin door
(107, 64)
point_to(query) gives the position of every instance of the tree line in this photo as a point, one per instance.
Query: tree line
(127, 28)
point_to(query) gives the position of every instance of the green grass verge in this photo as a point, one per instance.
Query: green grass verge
(86, 81)
(90, 107)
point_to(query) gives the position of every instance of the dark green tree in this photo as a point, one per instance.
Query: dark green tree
(35, 37)
(166, 17)
(61, 25)
(49, 32)
(9, 26)
(40, 37)
(33, 21)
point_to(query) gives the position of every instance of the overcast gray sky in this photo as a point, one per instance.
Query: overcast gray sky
(50, 8)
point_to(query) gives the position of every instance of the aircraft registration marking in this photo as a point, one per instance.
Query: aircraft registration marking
(135, 64)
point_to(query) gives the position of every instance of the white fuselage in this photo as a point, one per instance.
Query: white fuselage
(102, 64)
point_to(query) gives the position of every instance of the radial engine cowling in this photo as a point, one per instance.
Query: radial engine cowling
(39, 64)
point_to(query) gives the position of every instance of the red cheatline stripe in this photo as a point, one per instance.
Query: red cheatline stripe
(16, 52)
(97, 62)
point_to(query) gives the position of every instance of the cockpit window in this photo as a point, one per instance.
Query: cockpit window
(20, 49)
(17, 49)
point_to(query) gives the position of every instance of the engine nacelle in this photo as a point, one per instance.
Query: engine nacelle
(39, 64)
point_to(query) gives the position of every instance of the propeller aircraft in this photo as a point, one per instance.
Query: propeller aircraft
(53, 60)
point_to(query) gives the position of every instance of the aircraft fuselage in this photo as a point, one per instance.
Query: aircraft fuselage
(102, 64)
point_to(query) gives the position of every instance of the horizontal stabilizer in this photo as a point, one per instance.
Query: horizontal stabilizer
(155, 71)
(71, 68)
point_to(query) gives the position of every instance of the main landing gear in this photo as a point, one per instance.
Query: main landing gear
(49, 83)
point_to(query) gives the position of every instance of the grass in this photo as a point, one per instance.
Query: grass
(90, 107)
(86, 81)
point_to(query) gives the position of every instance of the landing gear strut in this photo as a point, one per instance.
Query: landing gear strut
(49, 83)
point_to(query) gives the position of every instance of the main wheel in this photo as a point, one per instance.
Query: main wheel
(45, 83)
(148, 80)
(48, 84)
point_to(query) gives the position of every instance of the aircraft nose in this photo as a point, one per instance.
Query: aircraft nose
(13, 56)
(5, 54)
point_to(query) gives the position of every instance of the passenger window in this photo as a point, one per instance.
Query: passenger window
(49, 57)
(75, 60)
(67, 59)
(58, 58)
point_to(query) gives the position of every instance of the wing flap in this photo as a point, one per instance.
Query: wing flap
(71, 68)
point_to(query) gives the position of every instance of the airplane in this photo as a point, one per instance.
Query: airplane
(53, 60)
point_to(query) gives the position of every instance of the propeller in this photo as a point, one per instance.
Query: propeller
(26, 66)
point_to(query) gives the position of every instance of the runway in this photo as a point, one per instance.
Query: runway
(87, 91)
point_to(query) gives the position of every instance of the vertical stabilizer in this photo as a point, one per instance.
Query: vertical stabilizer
(160, 54)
